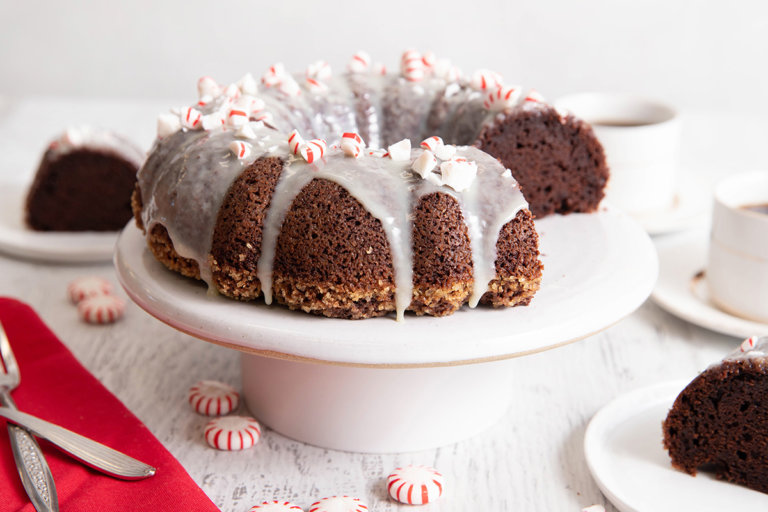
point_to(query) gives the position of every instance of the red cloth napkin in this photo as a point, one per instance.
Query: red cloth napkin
(56, 387)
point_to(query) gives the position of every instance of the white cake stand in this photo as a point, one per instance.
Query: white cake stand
(379, 385)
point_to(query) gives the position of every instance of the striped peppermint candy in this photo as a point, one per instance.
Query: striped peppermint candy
(274, 75)
(275, 506)
(503, 97)
(749, 344)
(214, 120)
(289, 86)
(295, 142)
(484, 79)
(90, 286)
(415, 485)
(190, 118)
(458, 173)
(313, 150)
(237, 117)
(232, 433)
(264, 117)
(352, 144)
(412, 66)
(101, 309)
(445, 152)
(338, 504)
(207, 86)
(213, 398)
(319, 70)
(359, 63)
(240, 149)
(428, 59)
(316, 86)
(534, 96)
(168, 124)
(432, 143)
(400, 151)
(248, 85)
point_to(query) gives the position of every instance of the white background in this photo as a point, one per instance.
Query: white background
(696, 54)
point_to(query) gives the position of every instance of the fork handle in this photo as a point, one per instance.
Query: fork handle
(35, 474)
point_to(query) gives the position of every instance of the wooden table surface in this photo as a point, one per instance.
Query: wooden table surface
(531, 460)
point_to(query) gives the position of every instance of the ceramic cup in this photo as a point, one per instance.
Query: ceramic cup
(737, 268)
(641, 138)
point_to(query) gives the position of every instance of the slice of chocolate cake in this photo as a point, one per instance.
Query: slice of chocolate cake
(719, 422)
(84, 183)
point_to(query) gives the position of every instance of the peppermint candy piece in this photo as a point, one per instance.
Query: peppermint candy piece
(295, 142)
(207, 86)
(535, 97)
(90, 286)
(484, 79)
(502, 98)
(594, 508)
(445, 152)
(424, 164)
(237, 117)
(352, 144)
(445, 70)
(247, 130)
(338, 504)
(232, 433)
(412, 66)
(319, 70)
(359, 62)
(458, 173)
(415, 485)
(213, 121)
(316, 86)
(190, 118)
(248, 84)
(275, 506)
(432, 143)
(167, 124)
(240, 149)
(400, 151)
(101, 309)
(748, 344)
(213, 398)
(313, 150)
(274, 75)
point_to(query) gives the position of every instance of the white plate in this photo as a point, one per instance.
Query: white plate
(689, 210)
(597, 269)
(72, 247)
(682, 291)
(624, 452)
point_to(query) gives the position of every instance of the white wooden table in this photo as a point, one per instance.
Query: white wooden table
(531, 460)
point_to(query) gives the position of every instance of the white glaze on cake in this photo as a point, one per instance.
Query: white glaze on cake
(95, 139)
(189, 173)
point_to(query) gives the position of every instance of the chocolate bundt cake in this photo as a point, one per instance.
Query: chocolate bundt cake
(719, 422)
(234, 195)
(84, 183)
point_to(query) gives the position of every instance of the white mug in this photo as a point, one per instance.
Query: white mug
(737, 269)
(641, 138)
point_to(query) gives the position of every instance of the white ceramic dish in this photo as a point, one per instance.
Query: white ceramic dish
(689, 209)
(401, 386)
(682, 291)
(624, 452)
(70, 247)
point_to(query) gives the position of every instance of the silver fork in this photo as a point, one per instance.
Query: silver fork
(33, 469)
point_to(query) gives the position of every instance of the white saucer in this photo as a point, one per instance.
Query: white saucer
(689, 210)
(65, 247)
(682, 291)
(598, 268)
(624, 452)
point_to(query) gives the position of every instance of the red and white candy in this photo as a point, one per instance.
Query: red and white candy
(289, 86)
(90, 286)
(295, 142)
(503, 97)
(275, 506)
(359, 62)
(432, 143)
(232, 433)
(535, 96)
(458, 173)
(445, 152)
(101, 309)
(338, 504)
(313, 150)
(749, 344)
(207, 86)
(237, 117)
(214, 120)
(484, 79)
(415, 485)
(190, 118)
(400, 151)
(168, 124)
(240, 149)
(444, 69)
(352, 144)
(248, 85)
(247, 130)
(424, 164)
(319, 70)
(213, 398)
(412, 66)
(274, 75)
(316, 86)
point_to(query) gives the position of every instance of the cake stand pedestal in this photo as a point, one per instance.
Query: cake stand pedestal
(378, 385)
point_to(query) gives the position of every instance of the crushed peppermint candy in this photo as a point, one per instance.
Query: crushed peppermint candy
(749, 343)
(313, 150)
(535, 96)
(424, 164)
(168, 124)
(240, 149)
(412, 66)
(400, 150)
(274, 75)
(484, 79)
(503, 97)
(319, 70)
(432, 143)
(445, 152)
(352, 144)
(190, 118)
(445, 70)
(248, 85)
(247, 130)
(207, 86)
(214, 120)
(458, 173)
(295, 142)
(359, 62)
